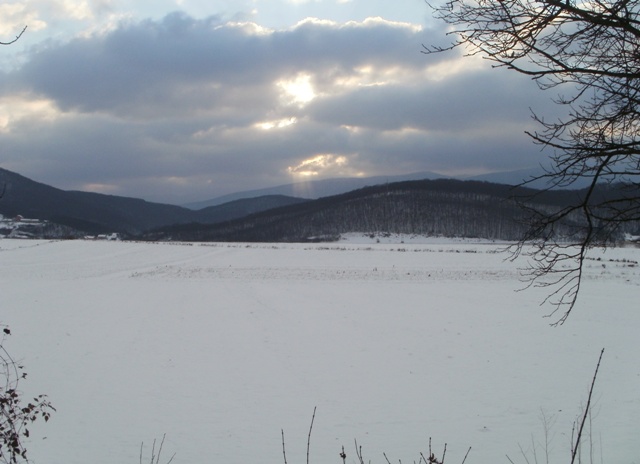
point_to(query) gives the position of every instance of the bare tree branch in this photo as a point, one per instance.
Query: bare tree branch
(576, 444)
(17, 37)
(593, 50)
(309, 436)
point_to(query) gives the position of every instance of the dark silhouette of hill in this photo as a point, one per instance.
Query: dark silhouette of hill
(315, 189)
(243, 207)
(441, 207)
(96, 213)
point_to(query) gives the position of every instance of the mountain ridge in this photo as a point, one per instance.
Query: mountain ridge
(96, 213)
(436, 207)
(314, 189)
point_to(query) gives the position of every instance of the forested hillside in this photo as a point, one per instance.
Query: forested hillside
(442, 207)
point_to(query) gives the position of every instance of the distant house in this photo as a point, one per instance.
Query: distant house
(112, 236)
(20, 218)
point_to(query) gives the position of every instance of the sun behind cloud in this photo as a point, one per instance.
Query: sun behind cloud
(316, 165)
(298, 90)
(276, 124)
(324, 164)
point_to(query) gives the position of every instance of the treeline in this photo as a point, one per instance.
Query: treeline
(440, 207)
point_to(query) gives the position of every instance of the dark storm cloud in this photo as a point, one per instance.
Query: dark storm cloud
(484, 99)
(175, 110)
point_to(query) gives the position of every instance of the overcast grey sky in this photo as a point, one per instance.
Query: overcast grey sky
(183, 100)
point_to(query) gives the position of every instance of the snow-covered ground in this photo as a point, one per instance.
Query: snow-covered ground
(220, 346)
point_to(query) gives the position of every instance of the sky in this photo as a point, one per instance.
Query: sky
(177, 101)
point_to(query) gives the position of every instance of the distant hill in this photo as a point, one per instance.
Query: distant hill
(531, 176)
(243, 207)
(95, 213)
(441, 207)
(315, 189)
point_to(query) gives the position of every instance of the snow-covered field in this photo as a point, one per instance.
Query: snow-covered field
(220, 346)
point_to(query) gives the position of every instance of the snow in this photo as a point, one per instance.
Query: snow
(220, 346)
(389, 238)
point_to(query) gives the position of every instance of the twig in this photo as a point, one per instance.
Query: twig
(465, 456)
(284, 453)
(359, 452)
(160, 451)
(432, 457)
(155, 459)
(309, 436)
(533, 447)
(524, 455)
(17, 37)
(153, 453)
(586, 411)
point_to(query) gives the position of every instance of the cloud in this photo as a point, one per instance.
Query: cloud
(327, 164)
(182, 109)
(42, 14)
(15, 16)
(152, 62)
